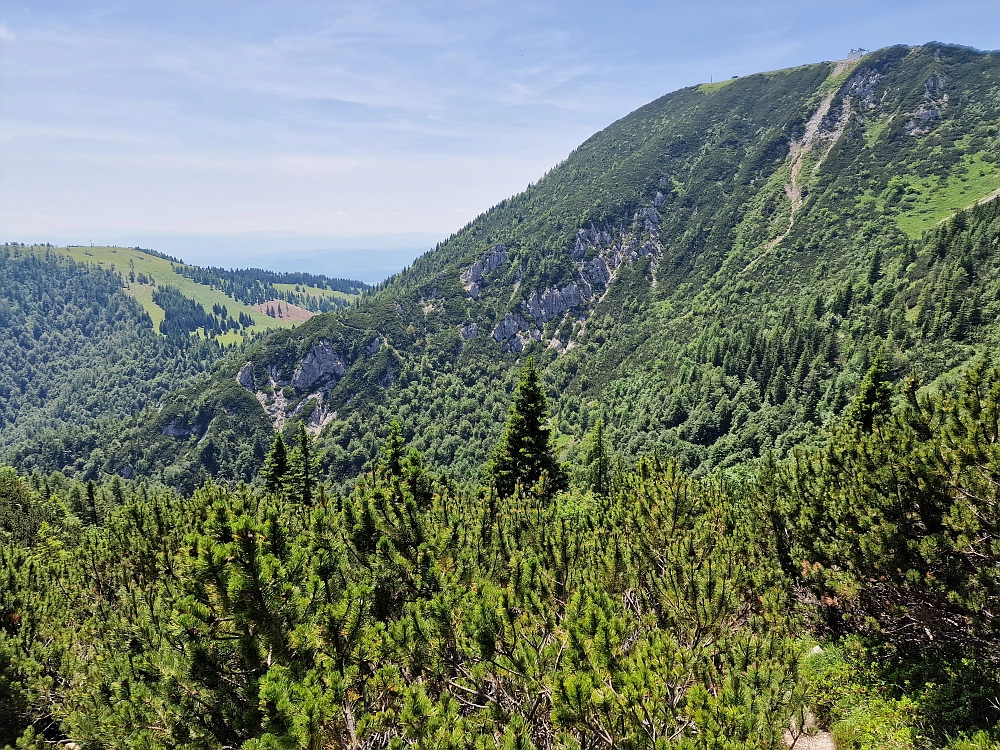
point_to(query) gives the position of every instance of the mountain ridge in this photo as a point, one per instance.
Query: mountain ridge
(739, 204)
(746, 485)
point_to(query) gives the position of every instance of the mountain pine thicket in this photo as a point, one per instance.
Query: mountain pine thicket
(689, 445)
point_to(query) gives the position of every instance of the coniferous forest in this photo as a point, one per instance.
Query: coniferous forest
(692, 444)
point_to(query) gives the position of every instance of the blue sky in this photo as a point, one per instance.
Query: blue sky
(227, 131)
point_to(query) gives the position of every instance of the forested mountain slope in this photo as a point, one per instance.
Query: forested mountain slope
(787, 283)
(97, 334)
(77, 349)
(850, 587)
(713, 273)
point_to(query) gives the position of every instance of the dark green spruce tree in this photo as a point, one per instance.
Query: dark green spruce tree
(303, 468)
(598, 461)
(874, 399)
(525, 454)
(275, 470)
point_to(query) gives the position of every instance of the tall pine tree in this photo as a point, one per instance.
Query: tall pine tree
(597, 461)
(874, 399)
(525, 452)
(303, 468)
(275, 469)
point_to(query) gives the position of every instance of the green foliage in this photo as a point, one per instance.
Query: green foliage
(302, 467)
(597, 461)
(524, 457)
(895, 533)
(874, 399)
(77, 349)
(731, 327)
(275, 469)
(408, 613)
(255, 286)
(182, 316)
(359, 598)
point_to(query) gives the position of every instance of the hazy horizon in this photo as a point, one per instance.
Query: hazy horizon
(368, 258)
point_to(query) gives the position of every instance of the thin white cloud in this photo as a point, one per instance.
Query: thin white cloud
(360, 118)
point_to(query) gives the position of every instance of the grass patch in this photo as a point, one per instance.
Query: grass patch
(314, 291)
(230, 337)
(873, 130)
(124, 260)
(711, 88)
(927, 202)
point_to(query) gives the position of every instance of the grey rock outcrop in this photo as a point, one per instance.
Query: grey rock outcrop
(373, 346)
(596, 272)
(488, 262)
(552, 302)
(508, 326)
(935, 100)
(588, 238)
(862, 86)
(321, 365)
(245, 377)
(469, 331)
(277, 375)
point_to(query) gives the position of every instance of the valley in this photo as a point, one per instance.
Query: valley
(691, 444)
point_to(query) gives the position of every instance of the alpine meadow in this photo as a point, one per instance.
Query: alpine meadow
(694, 443)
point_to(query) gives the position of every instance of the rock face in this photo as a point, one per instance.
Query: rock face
(469, 331)
(597, 273)
(598, 254)
(552, 302)
(321, 365)
(588, 238)
(510, 324)
(935, 100)
(488, 262)
(245, 377)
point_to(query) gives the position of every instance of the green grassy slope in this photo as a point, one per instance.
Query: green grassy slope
(82, 337)
(125, 259)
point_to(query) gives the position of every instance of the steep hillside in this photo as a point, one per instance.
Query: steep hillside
(713, 273)
(96, 334)
(731, 277)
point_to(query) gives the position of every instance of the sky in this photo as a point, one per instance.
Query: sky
(340, 136)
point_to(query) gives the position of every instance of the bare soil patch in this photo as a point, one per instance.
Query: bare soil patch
(819, 741)
(283, 311)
